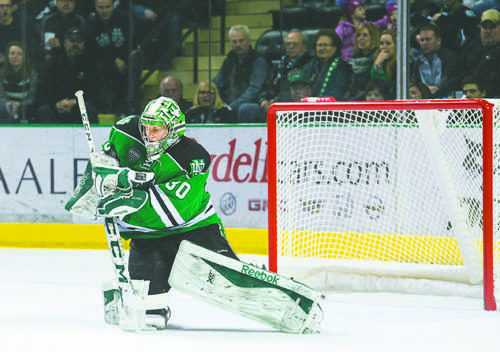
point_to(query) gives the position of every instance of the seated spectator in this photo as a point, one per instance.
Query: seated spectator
(278, 87)
(473, 88)
(432, 64)
(62, 76)
(353, 14)
(329, 74)
(10, 28)
(481, 56)
(107, 42)
(53, 28)
(171, 87)
(208, 106)
(300, 87)
(242, 76)
(365, 46)
(456, 23)
(384, 66)
(18, 86)
(389, 21)
(420, 15)
(418, 90)
(376, 90)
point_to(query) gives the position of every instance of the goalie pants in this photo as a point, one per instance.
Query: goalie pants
(152, 259)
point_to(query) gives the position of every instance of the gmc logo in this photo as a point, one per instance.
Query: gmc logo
(257, 204)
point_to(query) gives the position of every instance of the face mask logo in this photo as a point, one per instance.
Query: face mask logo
(171, 109)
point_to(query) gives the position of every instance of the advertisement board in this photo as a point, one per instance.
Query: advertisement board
(43, 165)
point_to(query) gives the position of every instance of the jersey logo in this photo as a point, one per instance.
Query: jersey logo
(197, 166)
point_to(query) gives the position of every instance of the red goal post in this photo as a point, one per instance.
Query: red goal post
(399, 190)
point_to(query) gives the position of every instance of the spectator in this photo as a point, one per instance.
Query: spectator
(473, 88)
(10, 28)
(278, 89)
(481, 56)
(208, 106)
(418, 90)
(432, 64)
(384, 66)
(389, 21)
(18, 86)
(54, 27)
(392, 12)
(107, 42)
(376, 90)
(63, 75)
(353, 14)
(365, 46)
(242, 76)
(171, 87)
(456, 23)
(420, 15)
(300, 87)
(329, 74)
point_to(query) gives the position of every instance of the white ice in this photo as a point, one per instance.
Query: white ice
(50, 300)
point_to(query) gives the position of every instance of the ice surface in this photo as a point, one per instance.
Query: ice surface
(50, 300)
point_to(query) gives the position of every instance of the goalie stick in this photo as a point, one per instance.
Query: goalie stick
(130, 303)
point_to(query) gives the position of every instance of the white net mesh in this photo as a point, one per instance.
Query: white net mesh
(384, 192)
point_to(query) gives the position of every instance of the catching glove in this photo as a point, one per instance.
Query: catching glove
(121, 204)
(123, 184)
(110, 179)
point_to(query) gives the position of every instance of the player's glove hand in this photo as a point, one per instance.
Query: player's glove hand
(141, 179)
(121, 204)
(123, 183)
(105, 179)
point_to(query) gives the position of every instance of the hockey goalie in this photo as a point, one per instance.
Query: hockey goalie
(149, 186)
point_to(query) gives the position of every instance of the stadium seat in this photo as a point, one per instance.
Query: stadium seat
(306, 17)
(375, 12)
(270, 45)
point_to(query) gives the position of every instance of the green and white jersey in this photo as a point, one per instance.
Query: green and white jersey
(178, 200)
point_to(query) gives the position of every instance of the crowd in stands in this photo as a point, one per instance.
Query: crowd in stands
(49, 49)
(454, 52)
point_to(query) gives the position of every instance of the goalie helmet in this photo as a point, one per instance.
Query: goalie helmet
(162, 123)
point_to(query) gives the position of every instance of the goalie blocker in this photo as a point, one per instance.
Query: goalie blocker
(258, 294)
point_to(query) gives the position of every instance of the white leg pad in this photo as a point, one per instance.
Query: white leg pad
(258, 294)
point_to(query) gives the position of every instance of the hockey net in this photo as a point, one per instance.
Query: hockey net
(394, 196)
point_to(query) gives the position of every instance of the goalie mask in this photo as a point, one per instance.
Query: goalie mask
(162, 124)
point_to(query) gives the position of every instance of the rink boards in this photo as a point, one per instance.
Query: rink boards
(37, 178)
(90, 236)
